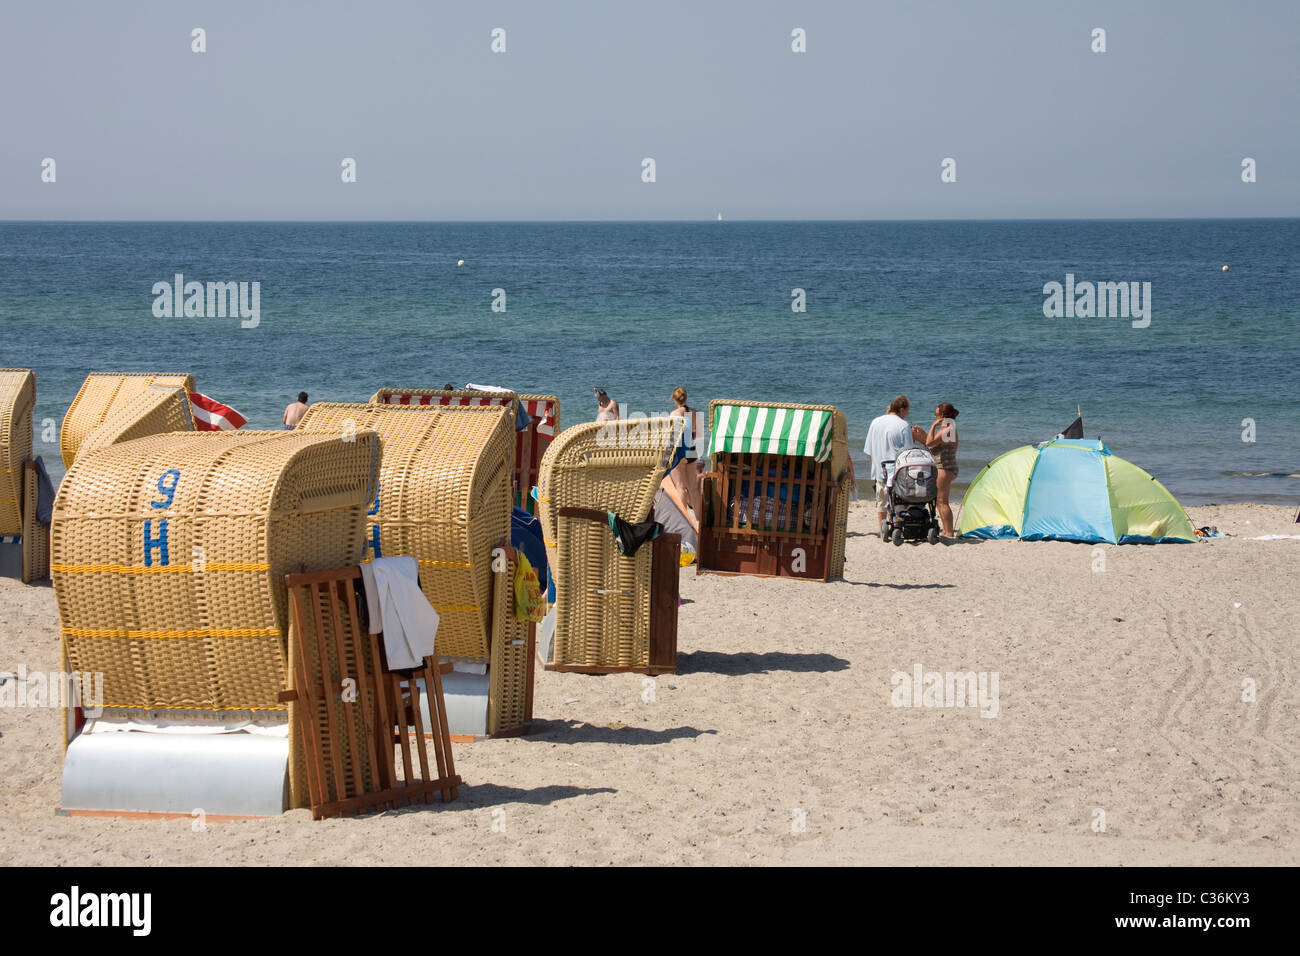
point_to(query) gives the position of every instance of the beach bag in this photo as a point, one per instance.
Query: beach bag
(529, 605)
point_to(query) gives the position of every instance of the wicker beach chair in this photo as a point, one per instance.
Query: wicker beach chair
(103, 394)
(776, 498)
(36, 533)
(169, 556)
(156, 410)
(607, 617)
(17, 399)
(444, 499)
(530, 444)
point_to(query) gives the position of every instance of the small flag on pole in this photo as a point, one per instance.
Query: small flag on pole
(211, 416)
(1074, 429)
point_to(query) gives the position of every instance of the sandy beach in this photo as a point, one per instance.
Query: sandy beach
(1119, 701)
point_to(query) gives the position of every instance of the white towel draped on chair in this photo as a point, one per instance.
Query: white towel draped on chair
(400, 610)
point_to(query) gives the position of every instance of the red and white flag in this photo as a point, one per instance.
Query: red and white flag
(211, 416)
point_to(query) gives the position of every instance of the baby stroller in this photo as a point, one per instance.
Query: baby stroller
(912, 489)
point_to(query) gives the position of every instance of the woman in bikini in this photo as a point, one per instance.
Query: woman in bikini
(942, 442)
(686, 476)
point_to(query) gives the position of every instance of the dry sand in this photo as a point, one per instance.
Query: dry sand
(1120, 690)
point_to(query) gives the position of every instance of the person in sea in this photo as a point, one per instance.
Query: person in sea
(606, 407)
(686, 476)
(888, 434)
(293, 412)
(942, 442)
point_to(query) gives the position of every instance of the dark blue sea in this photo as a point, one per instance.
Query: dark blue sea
(939, 311)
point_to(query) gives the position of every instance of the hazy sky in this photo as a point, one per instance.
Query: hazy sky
(141, 127)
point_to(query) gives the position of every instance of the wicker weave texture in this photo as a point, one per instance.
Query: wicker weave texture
(443, 498)
(530, 444)
(156, 410)
(602, 610)
(508, 669)
(17, 398)
(612, 466)
(169, 555)
(36, 534)
(102, 393)
(840, 531)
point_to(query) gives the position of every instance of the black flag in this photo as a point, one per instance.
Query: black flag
(1075, 429)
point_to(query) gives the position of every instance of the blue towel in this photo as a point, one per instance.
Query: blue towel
(44, 493)
(526, 537)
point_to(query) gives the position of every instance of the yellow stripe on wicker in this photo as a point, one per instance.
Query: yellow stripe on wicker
(432, 564)
(193, 632)
(168, 569)
(279, 708)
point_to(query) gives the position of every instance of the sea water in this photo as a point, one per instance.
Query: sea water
(1205, 395)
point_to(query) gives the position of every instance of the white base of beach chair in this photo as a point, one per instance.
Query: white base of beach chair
(465, 697)
(215, 775)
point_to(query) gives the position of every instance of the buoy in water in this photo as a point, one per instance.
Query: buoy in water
(1225, 268)
(461, 262)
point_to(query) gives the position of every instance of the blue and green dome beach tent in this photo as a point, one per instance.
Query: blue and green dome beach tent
(1071, 490)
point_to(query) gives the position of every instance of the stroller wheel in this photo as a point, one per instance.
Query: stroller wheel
(898, 537)
(933, 536)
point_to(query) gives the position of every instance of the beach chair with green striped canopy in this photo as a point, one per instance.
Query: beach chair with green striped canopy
(777, 492)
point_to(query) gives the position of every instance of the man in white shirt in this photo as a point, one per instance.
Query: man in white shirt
(888, 434)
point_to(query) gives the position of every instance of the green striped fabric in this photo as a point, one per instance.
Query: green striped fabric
(776, 431)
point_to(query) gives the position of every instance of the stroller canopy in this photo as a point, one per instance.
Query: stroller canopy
(1071, 490)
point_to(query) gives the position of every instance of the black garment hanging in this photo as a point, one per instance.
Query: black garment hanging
(629, 537)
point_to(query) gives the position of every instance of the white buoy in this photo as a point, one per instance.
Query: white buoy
(461, 262)
(1225, 268)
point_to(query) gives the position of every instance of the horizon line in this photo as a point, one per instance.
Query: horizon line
(508, 222)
